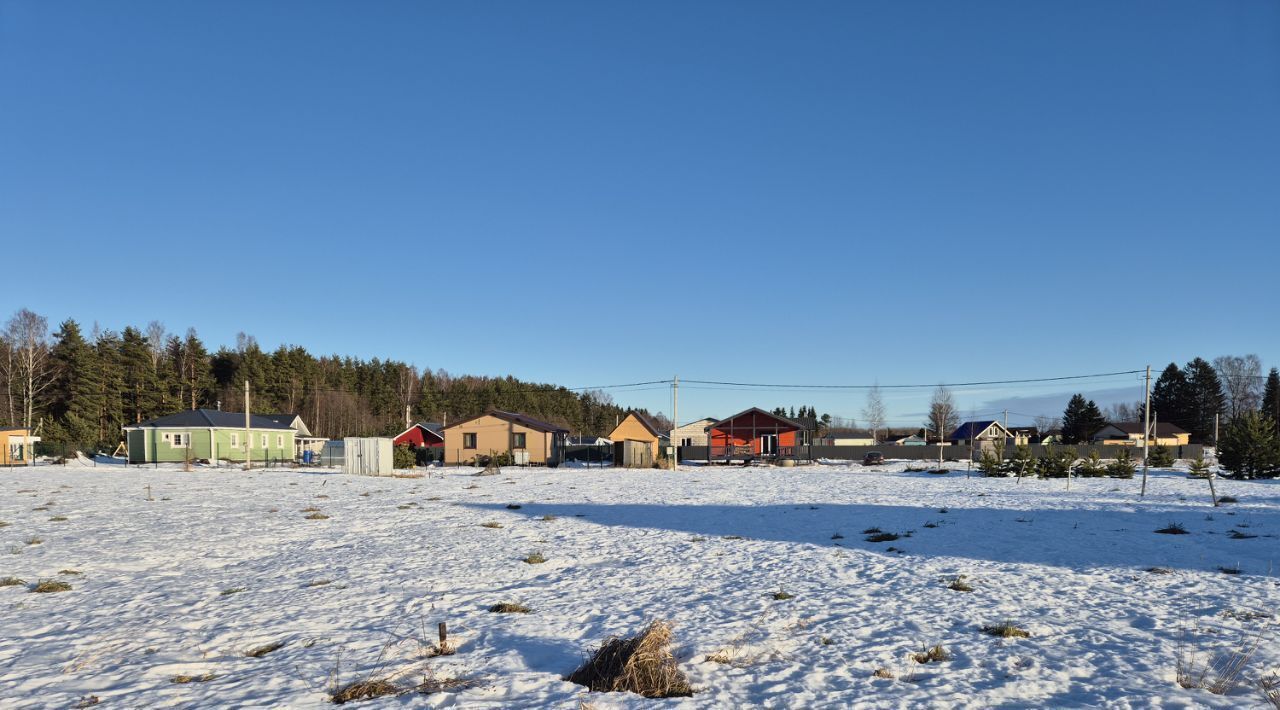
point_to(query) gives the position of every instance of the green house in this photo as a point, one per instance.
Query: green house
(210, 435)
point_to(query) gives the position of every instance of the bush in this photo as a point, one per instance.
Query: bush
(1056, 462)
(1123, 466)
(1022, 462)
(1199, 468)
(990, 464)
(1160, 457)
(1091, 467)
(404, 457)
(1249, 447)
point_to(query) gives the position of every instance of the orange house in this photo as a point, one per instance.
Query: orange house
(753, 433)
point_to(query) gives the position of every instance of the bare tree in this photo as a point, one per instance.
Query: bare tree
(1242, 382)
(1124, 412)
(156, 340)
(1045, 424)
(27, 337)
(873, 412)
(942, 416)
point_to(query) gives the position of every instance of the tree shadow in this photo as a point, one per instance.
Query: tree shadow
(1076, 539)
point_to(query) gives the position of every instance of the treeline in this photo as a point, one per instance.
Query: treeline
(78, 389)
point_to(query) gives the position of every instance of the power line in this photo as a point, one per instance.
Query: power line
(914, 386)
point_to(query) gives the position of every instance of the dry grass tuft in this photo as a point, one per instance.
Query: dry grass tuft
(642, 664)
(232, 590)
(310, 509)
(781, 596)
(1005, 630)
(514, 506)
(882, 537)
(1228, 499)
(547, 518)
(318, 582)
(316, 516)
(1218, 675)
(936, 654)
(534, 559)
(510, 608)
(491, 525)
(33, 540)
(260, 651)
(1159, 570)
(368, 689)
(71, 572)
(959, 585)
(182, 679)
(884, 673)
(48, 586)
(59, 519)
(1173, 529)
(1269, 689)
(11, 582)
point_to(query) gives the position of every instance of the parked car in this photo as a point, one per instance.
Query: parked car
(873, 458)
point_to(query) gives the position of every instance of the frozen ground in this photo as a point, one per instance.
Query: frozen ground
(705, 548)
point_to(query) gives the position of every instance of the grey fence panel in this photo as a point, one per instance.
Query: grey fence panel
(951, 453)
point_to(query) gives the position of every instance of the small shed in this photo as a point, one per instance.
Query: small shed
(368, 456)
(17, 447)
(421, 435)
(635, 428)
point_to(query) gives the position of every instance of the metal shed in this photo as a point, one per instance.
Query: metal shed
(368, 456)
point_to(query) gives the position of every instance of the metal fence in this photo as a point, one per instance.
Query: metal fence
(924, 453)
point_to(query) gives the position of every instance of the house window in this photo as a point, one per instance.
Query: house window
(469, 440)
(235, 440)
(264, 441)
(517, 440)
(178, 441)
(805, 438)
(686, 442)
(279, 441)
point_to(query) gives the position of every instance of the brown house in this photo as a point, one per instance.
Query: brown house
(636, 427)
(527, 440)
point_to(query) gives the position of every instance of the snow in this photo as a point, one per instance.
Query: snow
(625, 547)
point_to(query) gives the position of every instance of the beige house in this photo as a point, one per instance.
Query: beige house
(637, 427)
(853, 440)
(17, 447)
(527, 440)
(692, 434)
(1130, 434)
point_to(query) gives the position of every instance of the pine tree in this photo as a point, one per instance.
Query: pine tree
(1250, 447)
(1271, 399)
(74, 403)
(1123, 465)
(138, 377)
(1081, 420)
(1205, 400)
(1169, 397)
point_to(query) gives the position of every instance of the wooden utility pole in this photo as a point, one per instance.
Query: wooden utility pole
(1146, 435)
(675, 413)
(248, 438)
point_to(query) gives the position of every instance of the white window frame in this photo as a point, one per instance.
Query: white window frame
(279, 441)
(265, 440)
(235, 439)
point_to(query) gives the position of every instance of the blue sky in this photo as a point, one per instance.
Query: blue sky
(591, 193)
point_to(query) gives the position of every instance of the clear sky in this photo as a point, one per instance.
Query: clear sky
(604, 192)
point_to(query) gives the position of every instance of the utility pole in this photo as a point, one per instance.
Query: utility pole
(675, 402)
(1146, 436)
(248, 438)
(1215, 436)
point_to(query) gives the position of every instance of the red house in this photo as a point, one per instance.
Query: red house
(754, 433)
(421, 435)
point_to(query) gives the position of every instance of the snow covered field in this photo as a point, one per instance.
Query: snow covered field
(221, 562)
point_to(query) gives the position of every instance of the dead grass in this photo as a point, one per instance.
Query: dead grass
(492, 525)
(959, 585)
(318, 582)
(510, 608)
(33, 540)
(883, 673)
(547, 518)
(882, 537)
(316, 516)
(781, 596)
(232, 590)
(260, 651)
(1228, 499)
(514, 506)
(934, 654)
(59, 519)
(48, 586)
(183, 679)
(1173, 529)
(1269, 689)
(11, 582)
(1005, 630)
(70, 572)
(642, 664)
(1217, 673)
(1159, 570)
(534, 559)
(406, 475)
(310, 509)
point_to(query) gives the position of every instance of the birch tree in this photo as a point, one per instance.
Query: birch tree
(873, 413)
(27, 337)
